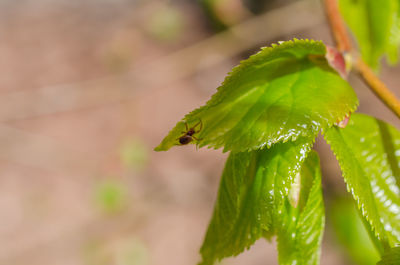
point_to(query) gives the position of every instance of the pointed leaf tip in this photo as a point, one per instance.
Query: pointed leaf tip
(279, 94)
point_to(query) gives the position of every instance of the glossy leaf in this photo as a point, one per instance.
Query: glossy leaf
(368, 151)
(375, 25)
(281, 93)
(300, 228)
(392, 257)
(252, 186)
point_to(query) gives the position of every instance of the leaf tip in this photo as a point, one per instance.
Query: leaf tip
(158, 148)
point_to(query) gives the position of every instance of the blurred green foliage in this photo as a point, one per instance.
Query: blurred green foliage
(94, 254)
(222, 14)
(166, 24)
(111, 196)
(131, 251)
(376, 26)
(212, 15)
(134, 154)
(351, 233)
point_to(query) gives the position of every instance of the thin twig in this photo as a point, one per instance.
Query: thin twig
(344, 45)
(337, 26)
(378, 87)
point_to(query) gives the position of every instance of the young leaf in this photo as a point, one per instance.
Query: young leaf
(392, 257)
(368, 153)
(300, 228)
(281, 93)
(252, 185)
(375, 25)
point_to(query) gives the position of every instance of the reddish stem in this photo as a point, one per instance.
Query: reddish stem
(337, 26)
(378, 87)
(343, 44)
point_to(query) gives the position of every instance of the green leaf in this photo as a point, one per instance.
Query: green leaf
(375, 25)
(300, 228)
(368, 151)
(253, 184)
(352, 236)
(276, 95)
(392, 257)
(394, 38)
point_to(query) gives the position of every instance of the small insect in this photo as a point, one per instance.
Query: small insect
(187, 136)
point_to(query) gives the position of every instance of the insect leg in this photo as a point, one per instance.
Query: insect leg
(197, 124)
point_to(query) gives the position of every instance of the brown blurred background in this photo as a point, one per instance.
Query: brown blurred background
(89, 88)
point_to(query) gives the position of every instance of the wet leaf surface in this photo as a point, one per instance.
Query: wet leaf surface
(368, 151)
(282, 92)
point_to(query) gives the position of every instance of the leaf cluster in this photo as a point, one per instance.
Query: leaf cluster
(267, 114)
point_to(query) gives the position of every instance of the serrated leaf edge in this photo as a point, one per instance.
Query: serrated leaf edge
(307, 149)
(249, 61)
(350, 189)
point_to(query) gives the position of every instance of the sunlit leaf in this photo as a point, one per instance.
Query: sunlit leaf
(368, 151)
(375, 25)
(281, 93)
(300, 228)
(252, 186)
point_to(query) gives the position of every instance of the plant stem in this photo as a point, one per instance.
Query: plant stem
(378, 87)
(337, 26)
(343, 44)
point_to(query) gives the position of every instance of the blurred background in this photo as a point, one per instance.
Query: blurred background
(89, 88)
